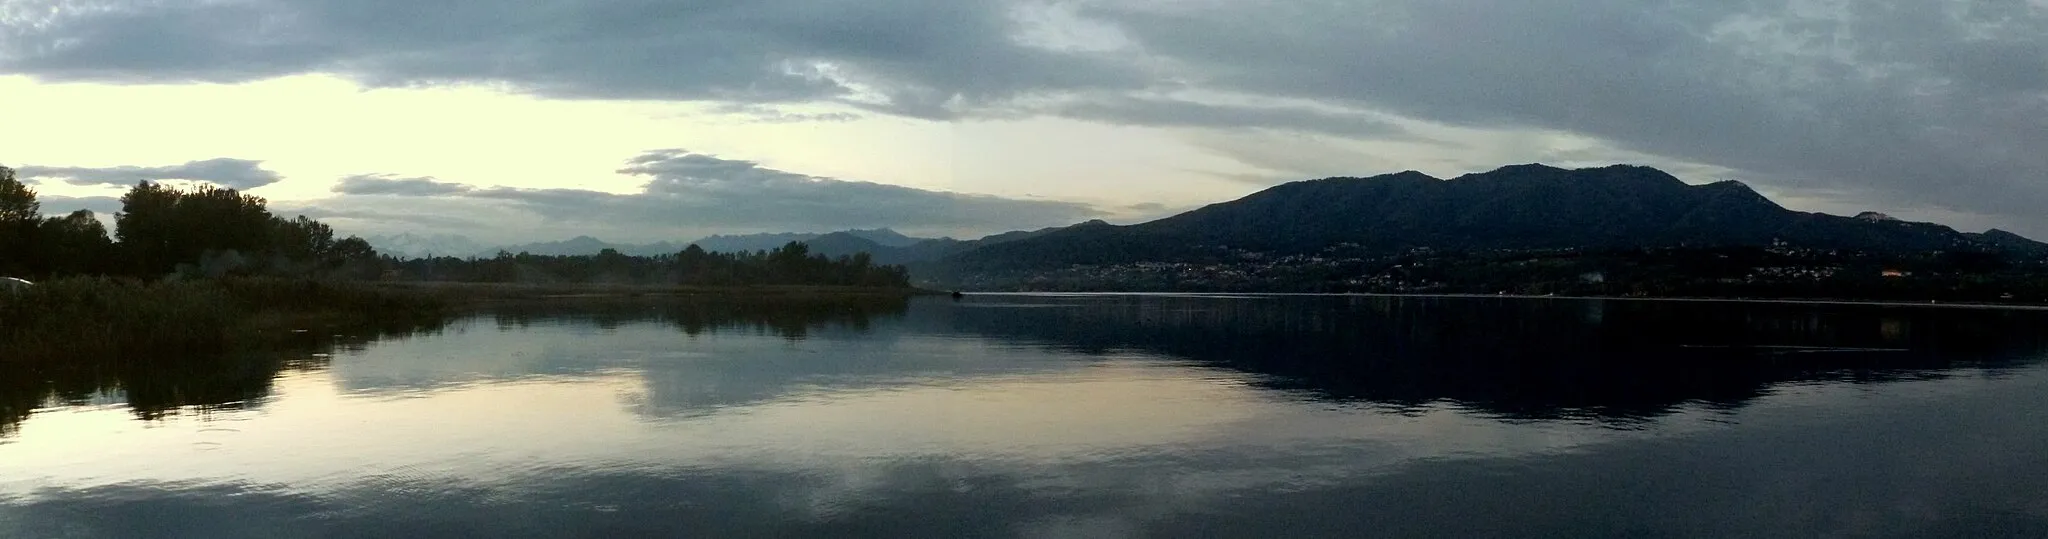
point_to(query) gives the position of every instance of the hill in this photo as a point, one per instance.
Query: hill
(904, 250)
(1522, 207)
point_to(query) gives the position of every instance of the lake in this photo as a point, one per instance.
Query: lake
(1063, 416)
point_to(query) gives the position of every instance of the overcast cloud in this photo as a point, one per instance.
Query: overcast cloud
(1942, 102)
(686, 195)
(1893, 104)
(386, 184)
(234, 173)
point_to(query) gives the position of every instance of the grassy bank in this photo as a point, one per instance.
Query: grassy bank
(98, 318)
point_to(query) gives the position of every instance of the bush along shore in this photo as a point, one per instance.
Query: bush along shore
(96, 318)
(210, 270)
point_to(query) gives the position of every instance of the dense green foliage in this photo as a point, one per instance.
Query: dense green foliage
(216, 232)
(792, 264)
(209, 231)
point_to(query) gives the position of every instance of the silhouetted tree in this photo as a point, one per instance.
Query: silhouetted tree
(75, 244)
(214, 229)
(17, 201)
(19, 215)
(147, 228)
(790, 264)
(302, 239)
(353, 257)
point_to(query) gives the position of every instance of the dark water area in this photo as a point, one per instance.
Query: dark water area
(1062, 416)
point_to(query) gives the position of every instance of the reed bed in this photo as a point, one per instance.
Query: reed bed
(123, 318)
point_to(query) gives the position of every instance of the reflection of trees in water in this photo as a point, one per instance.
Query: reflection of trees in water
(1534, 359)
(157, 386)
(792, 318)
(746, 371)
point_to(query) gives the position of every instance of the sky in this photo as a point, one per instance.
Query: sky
(649, 120)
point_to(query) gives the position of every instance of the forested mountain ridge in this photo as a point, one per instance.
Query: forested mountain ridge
(1521, 207)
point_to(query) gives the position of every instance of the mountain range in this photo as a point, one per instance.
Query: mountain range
(1512, 208)
(1516, 207)
(410, 245)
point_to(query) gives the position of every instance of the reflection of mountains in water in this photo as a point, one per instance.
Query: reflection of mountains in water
(1515, 358)
(160, 385)
(1534, 359)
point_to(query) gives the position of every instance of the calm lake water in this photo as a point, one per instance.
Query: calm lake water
(1065, 416)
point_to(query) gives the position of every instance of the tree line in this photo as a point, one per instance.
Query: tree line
(215, 231)
(160, 230)
(791, 264)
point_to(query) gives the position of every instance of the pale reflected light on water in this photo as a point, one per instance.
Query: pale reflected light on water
(1077, 416)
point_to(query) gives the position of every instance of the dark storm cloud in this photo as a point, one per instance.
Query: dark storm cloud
(235, 173)
(1938, 102)
(386, 184)
(1892, 103)
(923, 57)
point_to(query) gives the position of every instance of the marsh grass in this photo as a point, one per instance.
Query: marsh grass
(88, 319)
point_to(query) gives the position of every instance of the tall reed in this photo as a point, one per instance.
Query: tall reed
(81, 318)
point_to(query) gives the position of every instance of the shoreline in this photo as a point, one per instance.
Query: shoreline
(1784, 301)
(88, 320)
(472, 292)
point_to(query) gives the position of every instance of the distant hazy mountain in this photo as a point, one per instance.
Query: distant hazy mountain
(761, 242)
(586, 245)
(886, 237)
(409, 245)
(1516, 207)
(887, 246)
(750, 242)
